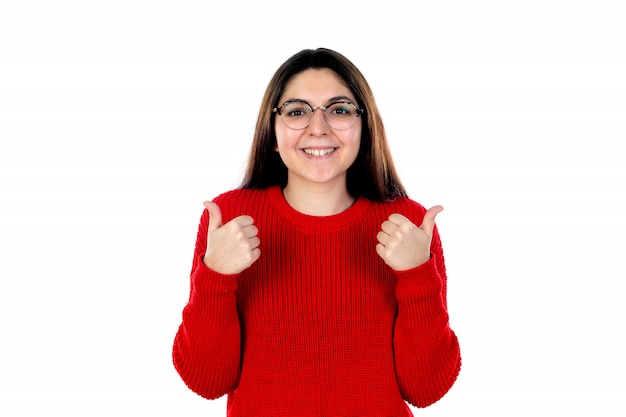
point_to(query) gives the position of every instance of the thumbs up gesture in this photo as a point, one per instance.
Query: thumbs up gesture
(403, 245)
(231, 247)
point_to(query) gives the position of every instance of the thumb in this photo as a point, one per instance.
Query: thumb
(428, 223)
(215, 215)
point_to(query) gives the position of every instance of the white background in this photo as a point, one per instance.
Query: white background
(118, 118)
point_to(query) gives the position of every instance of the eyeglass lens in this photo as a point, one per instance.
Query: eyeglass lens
(297, 115)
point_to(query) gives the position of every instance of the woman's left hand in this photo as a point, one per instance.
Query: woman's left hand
(402, 244)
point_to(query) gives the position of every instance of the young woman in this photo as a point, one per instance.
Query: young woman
(318, 288)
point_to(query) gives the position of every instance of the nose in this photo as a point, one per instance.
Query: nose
(318, 125)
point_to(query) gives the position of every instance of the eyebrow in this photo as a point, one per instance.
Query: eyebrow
(330, 100)
(340, 98)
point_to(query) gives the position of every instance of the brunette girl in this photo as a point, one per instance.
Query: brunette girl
(318, 288)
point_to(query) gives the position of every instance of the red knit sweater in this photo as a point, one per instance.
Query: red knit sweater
(319, 325)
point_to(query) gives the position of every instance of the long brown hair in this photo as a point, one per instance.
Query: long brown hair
(372, 175)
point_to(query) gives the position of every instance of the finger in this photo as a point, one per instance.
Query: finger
(255, 242)
(251, 231)
(244, 221)
(388, 227)
(380, 250)
(429, 219)
(215, 215)
(383, 238)
(256, 254)
(398, 219)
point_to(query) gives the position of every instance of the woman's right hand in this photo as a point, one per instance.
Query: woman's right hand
(231, 247)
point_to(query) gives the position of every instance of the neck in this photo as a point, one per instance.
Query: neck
(318, 199)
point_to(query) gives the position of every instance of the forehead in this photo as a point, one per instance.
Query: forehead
(316, 85)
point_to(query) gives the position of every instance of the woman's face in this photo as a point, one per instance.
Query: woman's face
(318, 153)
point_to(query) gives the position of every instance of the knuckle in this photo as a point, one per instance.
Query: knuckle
(239, 235)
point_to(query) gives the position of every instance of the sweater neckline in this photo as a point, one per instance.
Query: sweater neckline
(306, 221)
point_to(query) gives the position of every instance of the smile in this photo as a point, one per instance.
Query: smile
(319, 152)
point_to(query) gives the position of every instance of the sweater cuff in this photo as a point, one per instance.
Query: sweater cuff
(419, 292)
(212, 297)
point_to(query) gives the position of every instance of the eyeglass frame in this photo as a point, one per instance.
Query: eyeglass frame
(358, 111)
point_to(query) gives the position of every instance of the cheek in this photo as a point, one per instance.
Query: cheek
(278, 134)
(279, 141)
(356, 138)
(286, 138)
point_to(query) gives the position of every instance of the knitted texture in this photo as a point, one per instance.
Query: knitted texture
(319, 325)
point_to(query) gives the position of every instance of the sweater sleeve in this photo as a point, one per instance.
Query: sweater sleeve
(206, 351)
(427, 353)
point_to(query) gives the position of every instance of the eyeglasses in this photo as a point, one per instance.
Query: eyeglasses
(297, 114)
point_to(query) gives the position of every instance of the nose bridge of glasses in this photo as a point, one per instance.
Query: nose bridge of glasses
(323, 111)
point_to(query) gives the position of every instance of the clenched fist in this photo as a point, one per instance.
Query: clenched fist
(231, 247)
(403, 245)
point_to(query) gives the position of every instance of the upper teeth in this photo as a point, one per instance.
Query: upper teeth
(319, 152)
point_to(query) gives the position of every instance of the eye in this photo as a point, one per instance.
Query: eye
(341, 109)
(295, 109)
